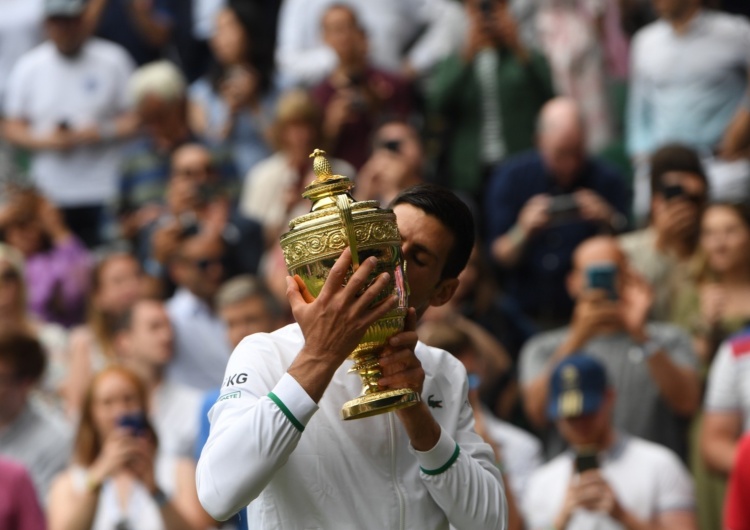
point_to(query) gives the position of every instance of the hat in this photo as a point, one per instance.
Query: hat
(577, 386)
(64, 8)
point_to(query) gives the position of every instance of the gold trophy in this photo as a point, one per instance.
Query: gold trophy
(311, 248)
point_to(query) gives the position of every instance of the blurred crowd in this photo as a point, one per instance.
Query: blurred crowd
(153, 151)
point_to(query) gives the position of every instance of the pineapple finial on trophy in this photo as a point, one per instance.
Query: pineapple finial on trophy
(321, 166)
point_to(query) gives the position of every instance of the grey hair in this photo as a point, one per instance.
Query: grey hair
(244, 287)
(161, 79)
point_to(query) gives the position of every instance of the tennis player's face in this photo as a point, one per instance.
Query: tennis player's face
(426, 244)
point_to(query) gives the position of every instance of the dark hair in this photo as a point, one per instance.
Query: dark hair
(24, 353)
(259, 52)
(451, 211)
(675, 157)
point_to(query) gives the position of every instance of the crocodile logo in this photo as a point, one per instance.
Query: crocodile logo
(434, 403)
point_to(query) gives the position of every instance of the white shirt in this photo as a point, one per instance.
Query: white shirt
(647, 479)
(174, 412)
(20, 30)
(47, 89)
(391, 25)
(341, 475)
(201, 343)
(727, 389)
(521, 452)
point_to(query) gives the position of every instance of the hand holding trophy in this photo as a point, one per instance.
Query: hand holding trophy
(311, 248)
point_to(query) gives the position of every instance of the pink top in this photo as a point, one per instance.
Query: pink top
(19, 507)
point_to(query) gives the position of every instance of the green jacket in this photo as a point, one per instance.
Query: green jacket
(454, 95)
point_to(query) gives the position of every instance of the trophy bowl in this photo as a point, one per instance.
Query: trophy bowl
(314, 243)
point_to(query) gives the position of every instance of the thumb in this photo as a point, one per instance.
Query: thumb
(306, 295)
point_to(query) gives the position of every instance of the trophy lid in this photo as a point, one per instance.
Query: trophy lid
(326, 184)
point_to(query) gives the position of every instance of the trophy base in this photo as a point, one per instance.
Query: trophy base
(379, 403)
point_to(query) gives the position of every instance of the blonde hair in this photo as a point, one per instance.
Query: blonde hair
(294, 106)
(161, 79)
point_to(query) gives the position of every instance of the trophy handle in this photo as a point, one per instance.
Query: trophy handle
(345, 212)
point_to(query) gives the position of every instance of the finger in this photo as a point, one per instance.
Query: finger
(411, 378)
(371, 293)
(410, 324)
(306, 295)
(356, 284)
(398, 361)
(379, 310)
(337, 274)
(405, 339)
(294, 296)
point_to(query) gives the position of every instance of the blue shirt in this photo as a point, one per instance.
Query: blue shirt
(687, 87)
(537, 281)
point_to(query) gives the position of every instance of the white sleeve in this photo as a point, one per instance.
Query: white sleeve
(675, 491)
(721, 390)
(446, 31)
(256, 423)
(462, 478)
(16, 93)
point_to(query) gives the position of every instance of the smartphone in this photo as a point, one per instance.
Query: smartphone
(603, 276)
(563, 208)
(586, 461)
(135, 423)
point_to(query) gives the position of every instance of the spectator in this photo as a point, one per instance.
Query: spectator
(397, 162)
(272, 190)
(29, 434)
(356, 93)
(15, 317)
(116, 283)
(115, 480)
(67, 103)
(427, 30)
(158, 92)
(712, 304)
(727, 404)
(737, 510)
(488, 95)
(198, 199)
(542, 204)
(696, 104)
(142, 27)
(716, 304)
(517, 452)
(201, 347)
(145, 343)
(651, 366)
(572, 36)
(233, 104)
(610, 479)
(57, 263)
(19, 507)
(661, 252)
(246, 306)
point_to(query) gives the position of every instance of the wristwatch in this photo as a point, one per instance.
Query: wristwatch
(649, 349)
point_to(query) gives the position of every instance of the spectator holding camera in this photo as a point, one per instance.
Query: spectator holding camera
(397, 162)
(67, 103)
(356, 93)
(661, 252)
(609, 479)
(488, 95)
(651, 366)
(233, 104)
(540, 205)
(115, 480)
(198, 200)
(57, 263)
